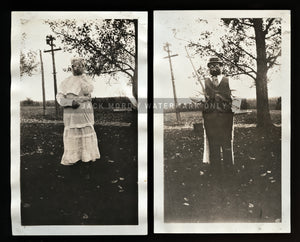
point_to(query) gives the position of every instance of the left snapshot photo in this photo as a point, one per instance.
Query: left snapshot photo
(78, 136)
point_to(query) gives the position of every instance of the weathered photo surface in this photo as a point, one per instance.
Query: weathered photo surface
(222, 121)
(78, 157)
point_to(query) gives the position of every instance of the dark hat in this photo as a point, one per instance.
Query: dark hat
(214, 59)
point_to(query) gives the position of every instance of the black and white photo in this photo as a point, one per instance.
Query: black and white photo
(222, 138)
(79, 141)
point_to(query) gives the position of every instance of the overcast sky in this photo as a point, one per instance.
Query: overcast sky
(31, 86)
(188, 28)
(165, 22)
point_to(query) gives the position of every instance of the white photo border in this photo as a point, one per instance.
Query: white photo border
(285, 225)
(17, 228)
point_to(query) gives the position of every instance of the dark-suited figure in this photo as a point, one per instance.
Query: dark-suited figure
(218, 120)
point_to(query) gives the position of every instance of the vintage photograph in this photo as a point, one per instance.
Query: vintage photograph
(78, 137)
(222, 121)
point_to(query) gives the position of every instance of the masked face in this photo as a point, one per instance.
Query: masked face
(77, 68)
(215, 69)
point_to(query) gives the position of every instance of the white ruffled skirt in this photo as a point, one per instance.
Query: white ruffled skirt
(80, 144)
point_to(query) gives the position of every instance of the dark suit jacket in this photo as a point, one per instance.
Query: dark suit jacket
(218, 98)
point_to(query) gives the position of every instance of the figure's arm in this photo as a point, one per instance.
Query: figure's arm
(85, 98)
(210, 94)
(66, 102)
(228, 92)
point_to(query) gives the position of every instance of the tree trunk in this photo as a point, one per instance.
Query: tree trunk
(135, 74)
(262, 101)
(134, 84)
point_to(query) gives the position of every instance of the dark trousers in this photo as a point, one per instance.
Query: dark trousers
(218, 128)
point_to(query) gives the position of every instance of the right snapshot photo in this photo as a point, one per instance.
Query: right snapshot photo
(222, 121)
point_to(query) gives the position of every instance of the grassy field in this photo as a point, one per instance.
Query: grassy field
(254, 195)
(104, 192)
(35, 113)
(189, 118)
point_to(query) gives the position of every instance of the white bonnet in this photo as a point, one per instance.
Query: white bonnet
(77, 59)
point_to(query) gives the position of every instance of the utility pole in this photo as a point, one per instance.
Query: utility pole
(49, 41)
(43, 84)
(167, 49)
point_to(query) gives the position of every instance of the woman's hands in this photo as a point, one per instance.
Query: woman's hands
(75, 104)
(85, 99)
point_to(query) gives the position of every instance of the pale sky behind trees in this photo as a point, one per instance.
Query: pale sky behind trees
(31, 86)
(188, 28)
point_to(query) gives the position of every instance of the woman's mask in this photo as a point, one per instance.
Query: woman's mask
(77, 69)
(215, 70)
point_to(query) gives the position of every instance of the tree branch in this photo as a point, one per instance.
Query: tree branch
(124, 63)
(227, 60)
(240, 73)
(94, 47)
(124, 70)
(269, 25)
(274, 34)
(110, 72)
(247, 66)
(247, 24)
(272, 60)
(127, 51)
(246, 52)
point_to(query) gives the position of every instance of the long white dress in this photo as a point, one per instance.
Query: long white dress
(80, 139)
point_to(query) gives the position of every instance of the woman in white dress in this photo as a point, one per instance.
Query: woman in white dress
(74, 94)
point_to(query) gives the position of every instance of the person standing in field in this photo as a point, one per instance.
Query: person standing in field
(218, 121)
(79, 137)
